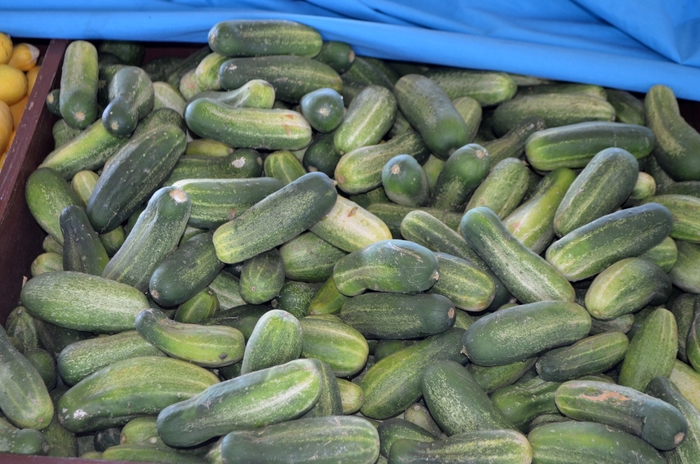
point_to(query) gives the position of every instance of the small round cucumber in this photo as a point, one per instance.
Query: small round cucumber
(323, 108)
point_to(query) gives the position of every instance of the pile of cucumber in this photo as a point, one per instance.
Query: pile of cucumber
(274, 250)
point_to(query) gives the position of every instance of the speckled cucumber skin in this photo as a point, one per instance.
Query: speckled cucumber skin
(588, 250)
(685, 210)
(243, 163)
(685, 273)
(131, 98)
(78, 103)
(283, 166)
(256, 93)
(525, 274)
(147, 453)
(262, 277)
(467, 286)
(488, 88)
(276, 339)
(524, 401)
(517, 333)
(503, 189)
(664, 255)
(405, 182)
(334, 342)
(82, 249)
(309, 258)
(267, 37)
(495, 377)
(657, 422)
(463, 171)
(369, 116)
(396, 428)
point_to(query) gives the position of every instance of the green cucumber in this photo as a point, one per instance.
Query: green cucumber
(62, 133)
(131, 98)
(276, 339)
(603, 185)
(53, 99)
(175, 71)
(392, 215)
(657, 422)
(405, 182)
(160, 117)
(51, 245)
(321, 155)
(147, 453)
(130, 53)
(336, 343)
(255, 93)
(327, 300)
(199, 308)
(78, 102)
(690, 187)
(488, 88)
(512, 144)
(243, 318)
(684, 273)
(685, 210)
(45, 364)
(125, 389)
(368, 71)
(369, 116)
(254, 400)
(46, 262)
(517, 333)
(207, 147)
(556, 88)
(83, 183)
(503, 189)
(523, 402)
(309, 258)
(338, 55)
(21, 325)
(419, 415)
(262, 277)
(693, 339)
(167, 96)
(267, 224)
(323, 108)
(264, 37)
(471, 112)
(203, 345)
(462, 173)
(155, 234)
(468, 287)
(329, 402)
(687, 380)
(82, 249)
(206, 74)
(15, 440)
(226, 287)
(295, 297)
(283, 166)
(525, 274)
(324, 440)
(54, 338)
(664, 255)
(682, 309)
(394, 429)
(81, 301)
(495, 377)
(626, 287)
(351, 396)
(623, 234)
(628, 108)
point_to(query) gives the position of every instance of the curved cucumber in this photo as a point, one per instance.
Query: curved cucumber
(131, 98)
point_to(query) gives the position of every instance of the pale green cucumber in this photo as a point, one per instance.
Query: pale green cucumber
(685, 272)
(369, 116)
(467, 286)
(685, 210)
(351, 396)
(503, 189)
(664, 255)
(167, 96)
(276, 339)
(470, 110)
(328, 300)
(336, 343)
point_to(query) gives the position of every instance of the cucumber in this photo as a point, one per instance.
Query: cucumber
(255, 93)
(405, 182)
(254, 400)
(336, 343)
(82, 249)
(81, 301)
(62, 133)
(207, 147)
(295, 297)
(155, 234)
(682, 309)
(320, 439)
(264, 37)
(146, 453)
(628, 108)
(676, 140)
(369, 116)
(351, 396)
(526, 275)
(368, 71)
(167, 96)
(603, 185)
(83, 183)
(517, 333)
(206, 74)
(557, 88)
(276, 339)
(398, 316)
(389, 266)
(687, 380)
(664, 255)
(175, 71)
(323, 108)
(419, 415)
(493, 378)
(471, 112)
(657, 422)
(15, 440)
(327, 300)
(243, 163)
(338, 55)
(392, 215)
(131, 98)
(523, 402)
(243, 318)
(429, 110)
(78, 102)
(462, 173)
(615, 236)
(160, 117)
(684, 273)
(262, 277)
(21, 325)
(197, 309)
(488, 88)
(690, 187)
(321, 155)
(45, 364)
(512, 144)
(309, 258)
(395, 429)
(457, 402)
(53, 99)
(125, 389)
(283, 166)
(503, 189)
(468, 287)
(626, 287)
(267, 224)
(130, 53)
(329, 402)
(685, 210)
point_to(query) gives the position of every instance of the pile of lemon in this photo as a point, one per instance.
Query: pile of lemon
(18, 72)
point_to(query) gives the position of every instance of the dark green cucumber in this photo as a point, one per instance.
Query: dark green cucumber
(82, 249)
(324, 440)
(368, 71)
(53, 103)
(524, 401)
(394, 383)
(321, 155)
(323, 108)
(78, 102)
(291, 76)
(517, 333)
(243, 163)
(125, 389)
(557, 87)
(295, 297)
(392, 215)
(603, 185)
(264, 37)
(394, 429)
(131, 98)
(690, 187)
(398, 316)
(309, 258)
(388, 265)
(503, 189)
(619, 324)
(405, 182)
(495, 377)
(693, 338)
(262, 277)
(512, 144)
(573, 442)
(130, 53)
(471, 112)
(26, 441)
(45, 364)
(329, 401)
(243, 318)
(167, 96)
(54, 338)
(676, 140)
(628, 108)
(683, 311)
(462, 173)
(488, 88)
(589, 356)
(81, 301)
(573, 146)
(254, 400)
(687, 380)
(657, 422)
(155, 234)
(468, 287)
(147, 453)
(336, 343)
(684, 273)
(431, 112)
(526, 275)
(134, 173)
(626, 287)
(267, 224)
(685, 210)
(338, 55)
(175, 71)
(275, 340)
(21, 325)
(369, 116)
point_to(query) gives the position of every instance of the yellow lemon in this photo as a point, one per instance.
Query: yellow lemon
(6, 126)
(24, 56)
(18, 110)
(13, 84)
(31, 78)
(5, 48)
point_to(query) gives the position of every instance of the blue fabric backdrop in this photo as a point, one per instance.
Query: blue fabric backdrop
(627, 44)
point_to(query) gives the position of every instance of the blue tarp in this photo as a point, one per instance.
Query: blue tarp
(626, 44)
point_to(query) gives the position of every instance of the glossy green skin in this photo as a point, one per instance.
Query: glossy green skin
(324, 440)
(588, 250)
(657, 422)
(392, 215)
(589, 356)
(206, 74)
(82, 249)
(495, 377)
(394, 429)
(394, 383)
(676, 140)
(82, 358)
(133, 175)
(405, 182)
(309, 258)
(268, 223)
(257, 38)
(522, 402)
(462, 173)
(467, 286)
(685, 273)
(389, 266)
(291, 76)
(517, 333)
(78, 102)
(488, 88)
(664, 255)
(573, 442)
(525, 274)
(275, 340)
(574, 146)
(24, 398)
(323, 108)
(204, 345)
(336, 343)
(283, 166)
(689, 449)
(47, 194)
(155, 234)
(80, 301)
(262, 277)
(395, 316)
(361, 170)
(338, 55)
(243, 163)
(685, 210)
(503, 189)
(254, 400)
(457, 402)
(369, 116)
(625, 287)
(117, 393)
(131, 99)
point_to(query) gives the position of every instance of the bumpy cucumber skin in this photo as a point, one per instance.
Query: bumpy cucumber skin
(685, 210)
(309, 258)
(262, 277)
(369, 116)
(503, 189)
(396, 428)
(467, 286)
(283, 166)
(523, 402)
(243, 163)
(488, 88)
(264, 37)
(687, 380)
(517, 333)
(268, 223)
(78, 102)
(275, 340)
(338, 344)
(463, 171)
(526, 275)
